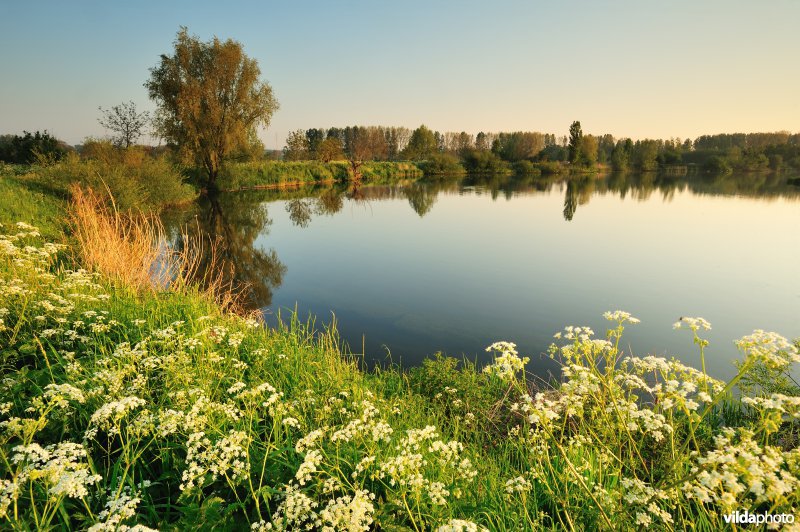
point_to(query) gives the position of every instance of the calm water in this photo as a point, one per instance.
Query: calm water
(453, 266)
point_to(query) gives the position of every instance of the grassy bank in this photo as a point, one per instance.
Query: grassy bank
(124, 407)
(238, 176)
(21, 200)
(135, 180)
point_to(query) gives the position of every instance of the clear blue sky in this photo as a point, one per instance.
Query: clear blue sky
(630, 68)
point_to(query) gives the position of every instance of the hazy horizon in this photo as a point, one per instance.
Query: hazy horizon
(634, 70)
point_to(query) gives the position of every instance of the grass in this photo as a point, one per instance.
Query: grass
(237, 176)
(21, 202)
(124, 405)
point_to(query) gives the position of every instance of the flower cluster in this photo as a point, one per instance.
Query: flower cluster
(741, 473)
(108, 416)
(516, 485)
(349, 513)
(508, 363)
(461, 525)
(208, 461)
(647, 502)
(770, 349)
(62, 468)
(120, 506)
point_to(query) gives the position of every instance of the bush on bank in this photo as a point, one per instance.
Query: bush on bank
(236, 176)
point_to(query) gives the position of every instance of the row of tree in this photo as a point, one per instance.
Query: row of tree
(383, 143)
(482, 151)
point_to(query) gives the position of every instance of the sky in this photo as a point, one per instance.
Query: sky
(629, 68)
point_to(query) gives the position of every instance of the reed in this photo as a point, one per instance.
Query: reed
(132, 248)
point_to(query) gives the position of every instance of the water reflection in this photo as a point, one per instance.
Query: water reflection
(418, 287)
(300, 211)
(327, 201)
(236, 219)
(421, 197)
(228, 226)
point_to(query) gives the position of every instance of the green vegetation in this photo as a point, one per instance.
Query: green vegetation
(423, 144)
(134, 178)
(499, 153)
(526, 168)
(484, 162)
(127, 404)
(22, 201)
(442, 164)
(283, 173)
(30, 147)
(210, 100)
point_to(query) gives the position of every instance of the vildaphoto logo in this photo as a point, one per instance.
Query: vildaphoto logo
(747, 518)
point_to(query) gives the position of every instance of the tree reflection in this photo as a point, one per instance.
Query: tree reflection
(228, 225)
(570, 201)
(421, 196)
(330, 202)
(234, 221)
(579, 191)
(300, 211)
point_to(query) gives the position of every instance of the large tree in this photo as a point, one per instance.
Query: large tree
(210, 99)
(588, 154)
(330, 149)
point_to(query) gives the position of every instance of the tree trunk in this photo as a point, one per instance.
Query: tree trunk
(211, 185)
(355, 166)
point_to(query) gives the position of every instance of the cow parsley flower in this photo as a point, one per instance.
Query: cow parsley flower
(508, 363)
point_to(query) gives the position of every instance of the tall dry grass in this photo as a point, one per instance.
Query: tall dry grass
(132, 248)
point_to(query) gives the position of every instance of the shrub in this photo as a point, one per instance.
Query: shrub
(485, 162)
(134, 179)
(549, 167)
(526, 168)
(717, 164)
(442, 164)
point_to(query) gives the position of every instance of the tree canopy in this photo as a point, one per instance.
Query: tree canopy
(30, 147)
(575, 139)
(210, 99)
(422, 144)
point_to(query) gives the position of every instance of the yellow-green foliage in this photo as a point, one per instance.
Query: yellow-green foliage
(157, 409)
(235, 176)
(133, 178)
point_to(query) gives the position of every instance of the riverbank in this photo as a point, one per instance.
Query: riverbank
(276, 174)
(125, 405)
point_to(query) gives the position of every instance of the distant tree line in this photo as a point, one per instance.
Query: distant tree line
(486, 152)
(30, 147)
(520, 150)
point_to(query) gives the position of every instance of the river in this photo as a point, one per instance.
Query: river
(453, 265)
